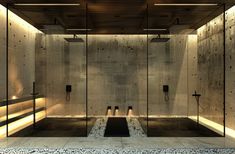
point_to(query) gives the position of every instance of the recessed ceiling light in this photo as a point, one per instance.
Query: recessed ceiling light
(78, 29)
(162, 29)
(185, 4)
(46, 4)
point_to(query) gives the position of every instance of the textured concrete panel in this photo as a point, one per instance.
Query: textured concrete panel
(168, 66)
(2, 53)
(62, 63)
(21, 60)
(192, 74)
(116, 73)
(210, 69)
(230, 68)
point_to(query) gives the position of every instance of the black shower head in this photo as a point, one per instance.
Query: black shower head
(159, 40)
(74, 39)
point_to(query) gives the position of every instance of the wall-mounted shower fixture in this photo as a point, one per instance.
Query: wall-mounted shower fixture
(159, 39)
(129, 111)
(74, 39)
(68, 91)
(116, 110)
(109, 111)
(166, 92)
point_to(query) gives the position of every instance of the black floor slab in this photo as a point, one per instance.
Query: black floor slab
(116, 127)
(56, 127)
(177, 127)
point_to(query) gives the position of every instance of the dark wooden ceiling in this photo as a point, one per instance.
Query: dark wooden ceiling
(118, 16)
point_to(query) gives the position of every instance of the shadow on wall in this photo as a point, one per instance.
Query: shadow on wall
(168, 66)
(115, 63)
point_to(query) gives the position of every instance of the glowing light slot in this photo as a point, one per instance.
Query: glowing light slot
(46, 4)
(130, 111)
(214, 126)
(13, 97)
(109, 111)
(185, 4)
(160, 29)
(78, 29)
(116, 110)
(25, 122)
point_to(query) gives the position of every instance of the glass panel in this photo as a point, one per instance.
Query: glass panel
(21, 72)
(185, 60)
(230, 63)
(3, 72)
(50, 66)
(117, 64)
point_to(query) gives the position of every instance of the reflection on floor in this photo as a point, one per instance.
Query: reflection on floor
(177, 127)
(56, 127)
(76, 127)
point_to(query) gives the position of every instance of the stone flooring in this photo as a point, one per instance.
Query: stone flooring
(134, 127)
(136, 144)
(117, 145)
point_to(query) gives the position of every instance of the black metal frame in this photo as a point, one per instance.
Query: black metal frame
(147, 22)
(7, 81)
(224, 48)
(86, 68)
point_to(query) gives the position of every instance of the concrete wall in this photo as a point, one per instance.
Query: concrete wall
(63, 64)
(192, 74)
(210, 80)
(168, 66)
(2, 67)
(116, 73)
(230, 68)
(21, 61)
(2, 53)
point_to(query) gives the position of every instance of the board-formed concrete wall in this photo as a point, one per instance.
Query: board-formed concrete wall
(2, 66)
(2, 53)
(210, 80)
(116, 73)
(230, 68)
(63, 63)
(21, 60)
(168, 65)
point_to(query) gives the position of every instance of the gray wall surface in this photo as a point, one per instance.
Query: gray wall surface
(210, 67)
(168, 66)
(116, 72)
(230, 68)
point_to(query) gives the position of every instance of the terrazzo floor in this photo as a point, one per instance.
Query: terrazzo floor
(138, 143)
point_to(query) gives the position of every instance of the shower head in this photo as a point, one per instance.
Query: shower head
(74, 39)
(159, 40)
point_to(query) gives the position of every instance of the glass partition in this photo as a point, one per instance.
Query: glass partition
(186, 74)
(47, 70)
(229, 48)
(117, 64)
(68, 69)
(3, 71)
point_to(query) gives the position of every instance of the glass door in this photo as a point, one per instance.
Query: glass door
(47, 69)
(186, 70)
